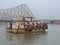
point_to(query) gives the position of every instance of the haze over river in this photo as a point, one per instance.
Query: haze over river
(50, 37)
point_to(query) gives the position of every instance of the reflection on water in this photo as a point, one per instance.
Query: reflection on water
(39, 38)
(28, 38)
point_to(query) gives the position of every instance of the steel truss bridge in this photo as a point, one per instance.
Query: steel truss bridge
(21, 10)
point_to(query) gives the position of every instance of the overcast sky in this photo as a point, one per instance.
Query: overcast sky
(41, 9)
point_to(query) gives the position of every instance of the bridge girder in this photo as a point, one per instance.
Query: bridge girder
(14, 12)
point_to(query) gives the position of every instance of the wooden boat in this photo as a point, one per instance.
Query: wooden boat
(26, 24)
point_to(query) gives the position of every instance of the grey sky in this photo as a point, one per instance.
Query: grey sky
(45, 9)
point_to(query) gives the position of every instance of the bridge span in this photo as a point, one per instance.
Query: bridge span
(21, 10)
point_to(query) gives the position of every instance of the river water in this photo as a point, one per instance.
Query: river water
(50, 37)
